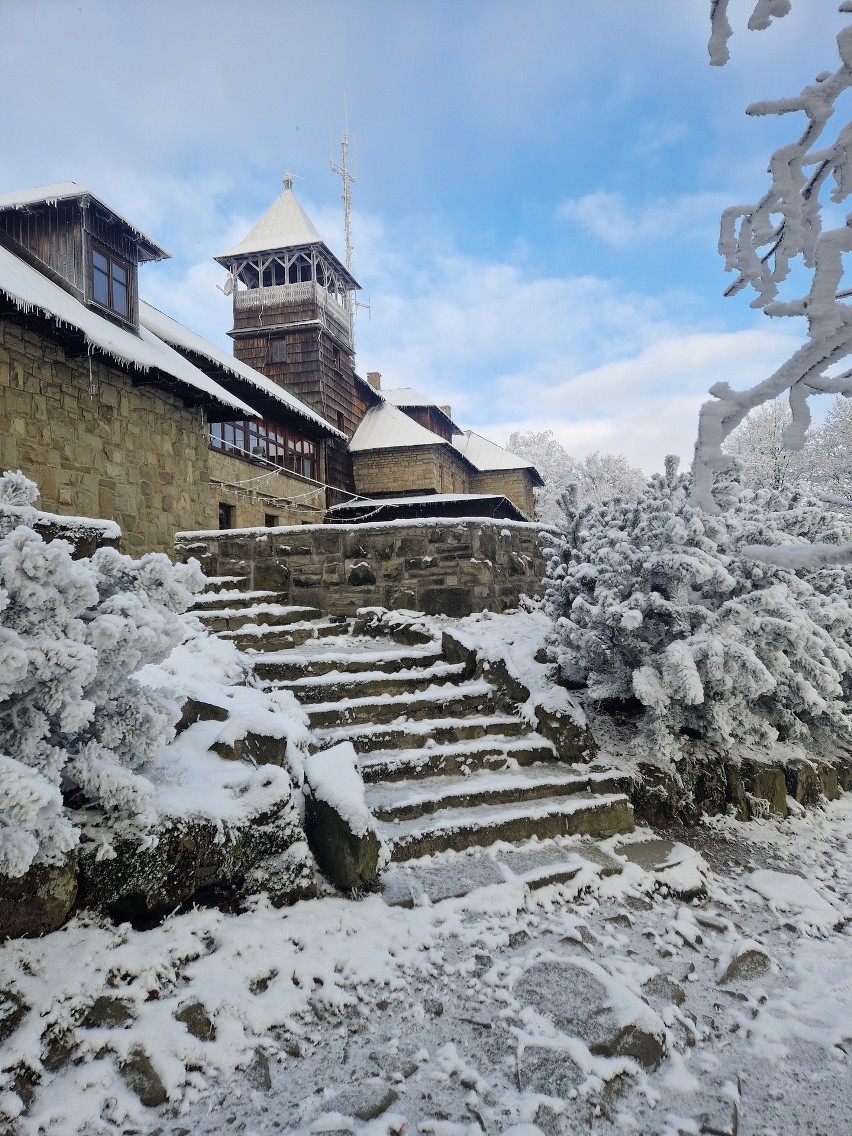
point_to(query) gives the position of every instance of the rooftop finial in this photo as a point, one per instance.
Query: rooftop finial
(288, 180)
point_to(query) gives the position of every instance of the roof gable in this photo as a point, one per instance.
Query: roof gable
(487, 456)
(384, 427)
(51, 195)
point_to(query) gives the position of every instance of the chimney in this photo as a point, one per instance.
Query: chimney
(448, 410)
(374, 378)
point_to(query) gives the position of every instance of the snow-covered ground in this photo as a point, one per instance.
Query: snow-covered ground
(469, 1016)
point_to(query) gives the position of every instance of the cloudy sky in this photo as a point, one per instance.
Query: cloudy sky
(538, 181)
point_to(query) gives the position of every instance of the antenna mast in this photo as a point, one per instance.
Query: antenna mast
(347, 177)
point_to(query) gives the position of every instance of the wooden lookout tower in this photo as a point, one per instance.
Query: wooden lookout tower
(293, 302)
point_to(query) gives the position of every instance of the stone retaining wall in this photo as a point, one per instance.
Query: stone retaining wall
(438, 567)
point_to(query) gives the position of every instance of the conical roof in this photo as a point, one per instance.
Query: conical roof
(285, 224)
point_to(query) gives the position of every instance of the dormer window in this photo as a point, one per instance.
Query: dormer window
(110, 283)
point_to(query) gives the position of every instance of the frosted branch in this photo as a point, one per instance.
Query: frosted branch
(760, 242)
(721, 31)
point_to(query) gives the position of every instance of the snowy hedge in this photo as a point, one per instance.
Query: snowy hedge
(73, 720)
(669, 611)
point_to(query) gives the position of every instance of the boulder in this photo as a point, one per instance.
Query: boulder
(39, 901)
(198, 860)
(803, 781)
(581, 999)
(340, 830)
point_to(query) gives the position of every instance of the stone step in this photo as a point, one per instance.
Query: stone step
(489, 752)
(327, 658)
(334, 686)
(225, 584)
(436, 701)
(262, 637)
(405, 800)
(441, 731)
(231, 598)
(229, 618)
(535, 863)
(460, 828)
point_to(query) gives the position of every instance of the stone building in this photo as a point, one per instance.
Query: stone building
(119, 411)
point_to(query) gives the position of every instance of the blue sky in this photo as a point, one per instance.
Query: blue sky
(538, 181)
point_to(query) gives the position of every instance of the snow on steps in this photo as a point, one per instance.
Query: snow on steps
(536, 863)
(448, 765)
(404, 800)
(600, 815)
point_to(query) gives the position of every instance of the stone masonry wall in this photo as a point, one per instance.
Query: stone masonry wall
(512, 483)
(134, 455)
(254, 494)
(450, 567)
(428, 468)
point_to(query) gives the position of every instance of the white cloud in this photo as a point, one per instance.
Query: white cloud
(610, 218)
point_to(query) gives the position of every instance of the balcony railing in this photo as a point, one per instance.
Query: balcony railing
(330, 312)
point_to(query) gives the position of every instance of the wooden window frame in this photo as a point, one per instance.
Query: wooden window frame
(266, 443)
(278, 349)
(113, 262)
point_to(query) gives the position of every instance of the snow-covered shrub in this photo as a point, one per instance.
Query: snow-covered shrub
(72, 716)
(661, 607)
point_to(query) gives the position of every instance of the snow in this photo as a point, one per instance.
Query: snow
(70, 191)
(262, 533)
(384, 427)
(350, 1001)
(29, 291)
(180, 337)
(334, 779)
(285, 224)
(486, 455)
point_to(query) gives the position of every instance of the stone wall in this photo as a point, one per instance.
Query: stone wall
(516, 484)
(254, 492)
(451, 567)
(134, 455)
(438, 469)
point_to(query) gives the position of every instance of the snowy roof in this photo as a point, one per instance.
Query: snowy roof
(71, 191)
(29, 291)
(407, 396)
(488, 456)
(182, 338)
(285, 224)
(384, 427)
(414, 499)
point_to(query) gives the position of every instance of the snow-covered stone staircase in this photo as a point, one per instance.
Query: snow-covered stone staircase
(448, 762)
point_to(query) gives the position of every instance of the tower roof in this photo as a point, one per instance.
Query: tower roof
(285, 224)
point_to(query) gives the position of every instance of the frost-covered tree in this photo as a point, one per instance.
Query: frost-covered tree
(766, 462)
(831, 453)
(72, 717)
(667, 609)
(761, 241)
(597, 476)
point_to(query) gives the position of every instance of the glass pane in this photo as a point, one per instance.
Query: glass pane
(119, 274)
(100, 287)
(119, 298)
(100, 261)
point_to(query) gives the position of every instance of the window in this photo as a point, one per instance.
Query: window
(278, 349)
(110, 283)
(226, 516)
(267, 443)
(270, 520)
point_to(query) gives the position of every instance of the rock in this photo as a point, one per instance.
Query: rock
(193, 860)
(550, 1072)
(767, 783)
(197, 1021)
(735, 790)
(58, 1046)
(142, 1078)
(577, 997)
(196, 710)
(749, 964)
(434, 1006)
(257, 1073)
(481, 963)
(366, 1102)
(802, 780)
(719, 1114)
(340, 831)
(665, 990)
(39, 901)
(106, 1013)
(361, 575)
(13, 1010)
(255, 748)
(828, 779)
